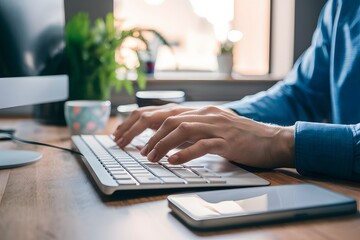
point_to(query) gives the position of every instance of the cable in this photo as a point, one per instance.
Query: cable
(11, 136)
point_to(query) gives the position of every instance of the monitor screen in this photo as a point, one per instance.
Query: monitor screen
(32, 56)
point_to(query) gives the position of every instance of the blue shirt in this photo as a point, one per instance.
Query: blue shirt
(321, 96)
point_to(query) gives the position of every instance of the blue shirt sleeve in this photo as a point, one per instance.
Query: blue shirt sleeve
(305, 92)
(304, 98)
(328, 149)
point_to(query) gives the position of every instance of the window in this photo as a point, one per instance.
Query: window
(197, 28)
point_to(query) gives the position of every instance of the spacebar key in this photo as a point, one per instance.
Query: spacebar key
(126, 182)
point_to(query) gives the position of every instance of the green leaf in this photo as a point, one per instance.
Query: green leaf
(109, 21)
(128, 86)
(141, 79)
(78, 28)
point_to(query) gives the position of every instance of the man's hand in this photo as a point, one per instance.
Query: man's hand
(143, 118)
(209, 130)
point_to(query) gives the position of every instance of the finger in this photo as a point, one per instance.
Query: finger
(199, 149)
(171, 109)
(129, 121)
(146, 120)
(185, 132)
(172, 123)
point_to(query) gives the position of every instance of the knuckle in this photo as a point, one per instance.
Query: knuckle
(203, 144)
(185, 126)
(145, 117)
(173, 111)
(211, 109)
(136, 112)
(170, 121)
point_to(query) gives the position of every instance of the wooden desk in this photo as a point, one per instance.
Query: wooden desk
(56, 199)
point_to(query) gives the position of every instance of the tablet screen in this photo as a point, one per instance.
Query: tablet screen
(237, 202)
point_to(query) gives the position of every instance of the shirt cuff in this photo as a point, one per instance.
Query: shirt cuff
(325, 149)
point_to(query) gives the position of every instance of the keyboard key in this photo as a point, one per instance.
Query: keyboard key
(164, 160)
(125, 159)
(151, 163)
(122, 177)
(112, 165)
(137, 142)
(139, 171)
(126, 182)
(147, 174)
(130, 149)
(148, 180)
(133, 167)
(173, 166)
(109, 158)
(195, 180)
(216, 180)
(119, 168)
(169, 180)
(105, 140)
(109, 161)
(131, 164)
(206, 174)
(161, 171)
(117, 171)
(127, 162)
(184, 173)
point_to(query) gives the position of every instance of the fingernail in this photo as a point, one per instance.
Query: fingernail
(152, 155)
(173, 159)
(120, 141)
(144, 150)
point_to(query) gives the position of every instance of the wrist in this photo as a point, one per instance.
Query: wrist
(284, 147)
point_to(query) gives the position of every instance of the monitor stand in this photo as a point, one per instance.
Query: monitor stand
(17, 158)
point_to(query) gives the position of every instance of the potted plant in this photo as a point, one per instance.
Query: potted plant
(225, 57)
(91, 51)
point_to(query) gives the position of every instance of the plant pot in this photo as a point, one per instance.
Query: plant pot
(225, 63)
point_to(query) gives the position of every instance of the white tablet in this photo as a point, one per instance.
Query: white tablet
(246, 206)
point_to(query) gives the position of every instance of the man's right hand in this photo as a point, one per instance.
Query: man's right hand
(143, 118)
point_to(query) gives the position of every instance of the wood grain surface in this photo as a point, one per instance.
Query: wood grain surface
(55, 198)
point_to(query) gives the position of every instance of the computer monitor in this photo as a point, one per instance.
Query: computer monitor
(32, 60)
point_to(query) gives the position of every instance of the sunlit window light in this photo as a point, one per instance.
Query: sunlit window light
(154, 2)
(234, 36)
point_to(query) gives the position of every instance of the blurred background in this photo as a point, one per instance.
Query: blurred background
(221, 50)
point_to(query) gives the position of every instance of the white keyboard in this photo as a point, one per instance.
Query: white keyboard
(116, 169)
(128, 167)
